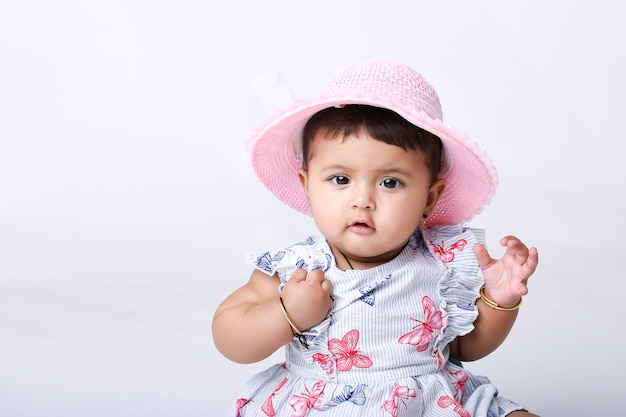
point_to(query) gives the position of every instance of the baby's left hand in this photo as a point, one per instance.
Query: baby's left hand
(506, 278)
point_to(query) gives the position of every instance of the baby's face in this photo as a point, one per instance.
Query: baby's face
(367, 197)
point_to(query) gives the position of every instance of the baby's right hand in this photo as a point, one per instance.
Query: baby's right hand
(307, 298)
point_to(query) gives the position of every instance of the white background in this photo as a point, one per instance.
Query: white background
(126, 208)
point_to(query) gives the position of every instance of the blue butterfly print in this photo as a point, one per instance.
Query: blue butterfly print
(355, 396)
(468, 307)
(329, 261)
(266, 262)
(415, 241)
(308, 242)
(302, 264)
(368, 297)
(323, 265)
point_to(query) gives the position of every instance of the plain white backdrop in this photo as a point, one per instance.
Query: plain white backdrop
(126, 208)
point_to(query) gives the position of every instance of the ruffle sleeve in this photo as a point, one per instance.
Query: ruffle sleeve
(308, 254)
(453, 246)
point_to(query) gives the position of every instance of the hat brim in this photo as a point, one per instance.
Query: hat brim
(471, 177)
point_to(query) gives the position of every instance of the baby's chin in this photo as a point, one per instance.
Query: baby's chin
(370, 260)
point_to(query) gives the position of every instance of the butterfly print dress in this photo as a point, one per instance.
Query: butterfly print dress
(383, 348)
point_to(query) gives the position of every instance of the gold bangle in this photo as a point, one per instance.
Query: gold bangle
(294, 330)
(293, 326)
(495, 305)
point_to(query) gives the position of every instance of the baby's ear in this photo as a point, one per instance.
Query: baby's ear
(434, 193)
(303, 176)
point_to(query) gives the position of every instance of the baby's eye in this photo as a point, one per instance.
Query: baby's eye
(340, 180)
(391, 183)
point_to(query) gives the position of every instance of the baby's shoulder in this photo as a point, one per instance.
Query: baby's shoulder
(444, 242)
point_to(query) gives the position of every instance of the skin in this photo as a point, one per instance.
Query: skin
(367, 197)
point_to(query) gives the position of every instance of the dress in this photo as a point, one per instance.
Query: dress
(383, 348)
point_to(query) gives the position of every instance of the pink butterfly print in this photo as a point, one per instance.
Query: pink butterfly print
(301, 403)
(459, 384)
(240, 404)
(391, 407)
(422, 332)
(268, 405)
(445, 402)
(346, 354)
(446, 255)
(400, 394)
(326, 362)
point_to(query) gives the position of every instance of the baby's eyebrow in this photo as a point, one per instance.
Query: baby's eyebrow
(337, 167)
(398, 171)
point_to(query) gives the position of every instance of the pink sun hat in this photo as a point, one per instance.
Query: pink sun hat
(274, 150)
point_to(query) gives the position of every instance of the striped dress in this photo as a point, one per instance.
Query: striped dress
(383, 348)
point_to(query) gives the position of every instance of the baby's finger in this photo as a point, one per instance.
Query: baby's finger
(515, 248)
(482, 255)
(298, 276)
(522, 289)
(532, 261)
(509, 238)
(327, 287)
(315, 276)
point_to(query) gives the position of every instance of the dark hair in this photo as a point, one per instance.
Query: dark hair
(382, 124)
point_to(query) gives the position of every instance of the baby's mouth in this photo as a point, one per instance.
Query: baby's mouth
(361, 227)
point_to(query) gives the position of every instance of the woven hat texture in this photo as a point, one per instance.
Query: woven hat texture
(275, 155)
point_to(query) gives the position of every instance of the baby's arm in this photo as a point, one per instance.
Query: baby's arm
(505, 284)
(249, 325)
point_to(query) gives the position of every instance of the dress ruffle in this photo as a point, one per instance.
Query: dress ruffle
(312, 253)
(453, 246)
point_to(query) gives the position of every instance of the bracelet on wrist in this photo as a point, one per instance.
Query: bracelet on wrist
(495, 305)
(294, 330)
